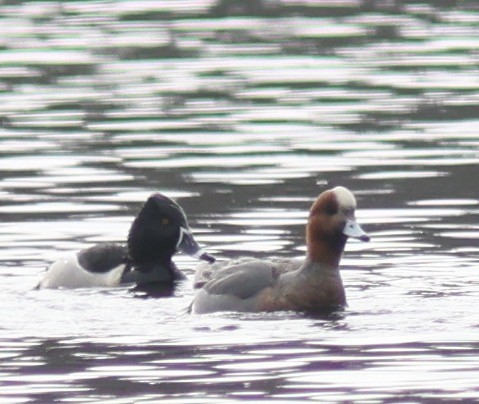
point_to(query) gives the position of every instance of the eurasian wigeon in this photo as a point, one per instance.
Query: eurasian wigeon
(159, 230)
(310, 285)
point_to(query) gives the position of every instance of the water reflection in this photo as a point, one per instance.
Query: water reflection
(279, 371)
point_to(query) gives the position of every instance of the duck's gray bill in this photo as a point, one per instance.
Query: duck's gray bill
(354, 230)
(188, 245)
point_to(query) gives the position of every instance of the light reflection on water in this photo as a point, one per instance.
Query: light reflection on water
(243, 112)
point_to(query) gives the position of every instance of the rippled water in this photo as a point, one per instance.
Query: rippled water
(243, 111)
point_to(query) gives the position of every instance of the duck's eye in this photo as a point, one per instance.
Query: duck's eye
(165, 221)
(331, 210)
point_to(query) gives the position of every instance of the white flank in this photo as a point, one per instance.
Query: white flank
(67, 273)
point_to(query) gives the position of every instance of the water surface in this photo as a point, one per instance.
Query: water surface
(243, 112)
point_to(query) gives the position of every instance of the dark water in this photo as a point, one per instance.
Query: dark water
(243, 111)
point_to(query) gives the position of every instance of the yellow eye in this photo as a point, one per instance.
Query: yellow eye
(165, 220)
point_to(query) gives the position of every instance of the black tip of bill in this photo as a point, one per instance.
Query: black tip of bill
(207, 257)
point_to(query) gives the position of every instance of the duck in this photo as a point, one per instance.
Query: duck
(159, 230)
(311, 284)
